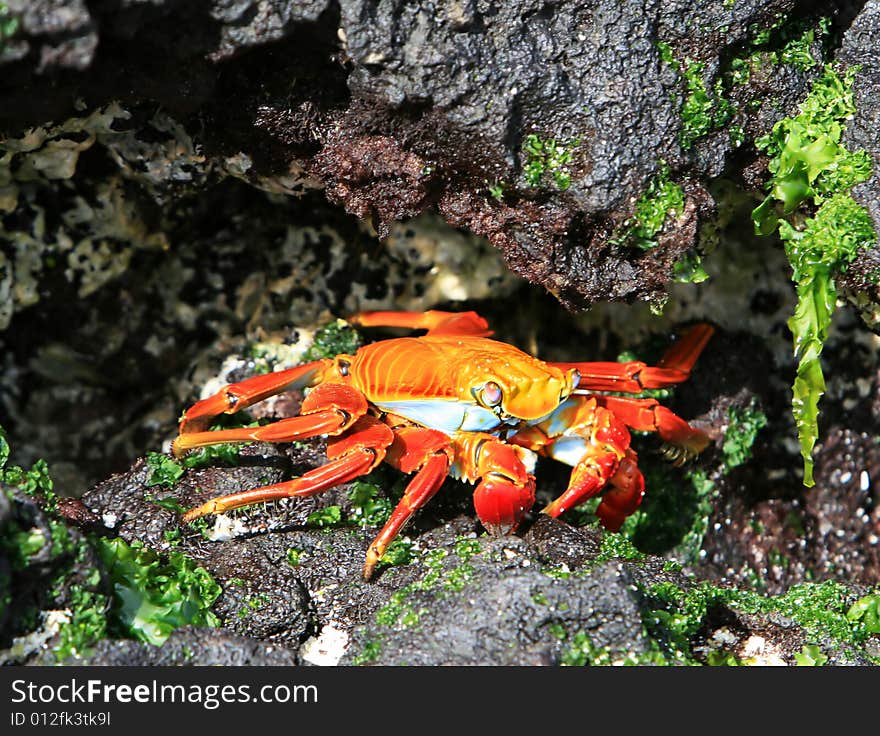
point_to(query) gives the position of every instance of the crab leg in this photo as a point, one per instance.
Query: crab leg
(434, 321)
(647, 415)
(238, 396)
(353, 455)
(625, 494)
(635, 376)
(329, 409)
(587, 436)
(506, 489)
(414, 448)
(598, 465)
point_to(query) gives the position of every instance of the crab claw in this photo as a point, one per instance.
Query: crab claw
(502, 504)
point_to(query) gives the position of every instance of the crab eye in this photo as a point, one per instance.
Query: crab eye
(490, 394)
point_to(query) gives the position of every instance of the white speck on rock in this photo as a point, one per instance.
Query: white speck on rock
(326, 649)
(225, 528)
(723, 637)
(109, 519)
(758, 651)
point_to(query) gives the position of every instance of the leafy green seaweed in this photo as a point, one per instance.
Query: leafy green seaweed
(164, 471)
(689, 269)
(369, 505)
(810, 165)
(152, 597)
(325, 518)
(866, 611)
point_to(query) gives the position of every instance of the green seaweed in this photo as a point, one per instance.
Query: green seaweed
(742, 430)
(152, 596)
(336, 338)
(4, 451)
(294, 557)
(811, 655)
(866, 611)
(399, 552)
(675, 513)
(325, 518)
(702, 110)
(689, 269)
(548, 156)
(617, 546)
(370, 652)
(662, 199)
(86, 624)
(581, 651)
(203, 457)
(400, 612)
(164, 470)
(674, 615)
(810, 166)
(370, 507)
(497, 190)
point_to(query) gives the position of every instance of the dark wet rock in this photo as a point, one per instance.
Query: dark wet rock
(396, 108)
(293, 593)
(858, 48)
(248, 23)
(829, 532)
(556, 542)
(192, 646)
(75, 511)
(500, 608)
(263, 597)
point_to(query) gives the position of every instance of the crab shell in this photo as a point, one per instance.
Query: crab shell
(449, 383)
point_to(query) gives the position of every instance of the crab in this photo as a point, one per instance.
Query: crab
(454, 402)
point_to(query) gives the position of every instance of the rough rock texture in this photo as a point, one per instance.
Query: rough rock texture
(861, 133)
(126, 202)
(857, 48)
(193, 646)
(40, 578)
(507, 614)
(396, 107)
(96, 381)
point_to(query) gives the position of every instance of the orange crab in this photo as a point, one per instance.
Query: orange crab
(455, 402)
